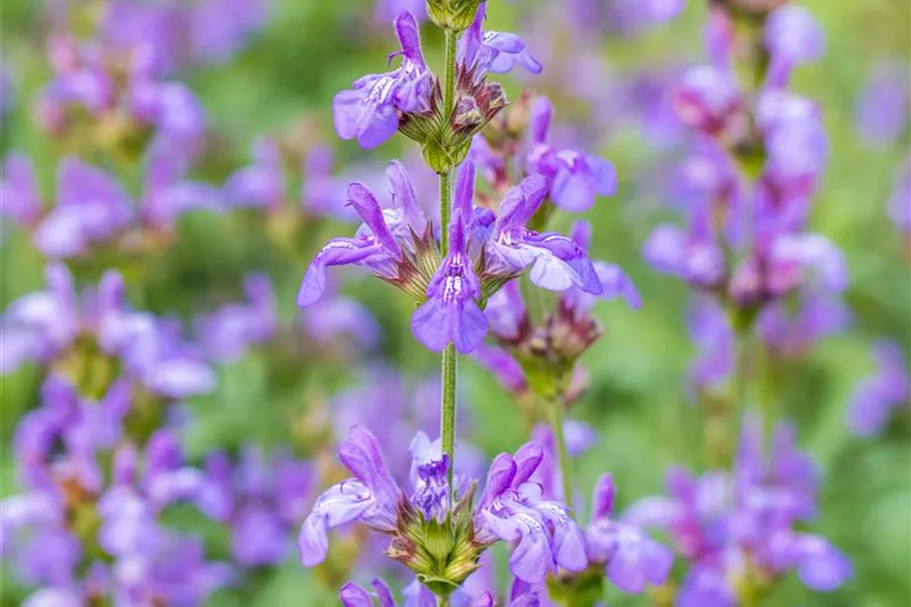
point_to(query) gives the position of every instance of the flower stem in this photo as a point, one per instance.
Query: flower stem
(557, 422)
(450, 362)
(448, 412)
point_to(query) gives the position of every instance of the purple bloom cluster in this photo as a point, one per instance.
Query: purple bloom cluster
(739, 530)
(117, 97)
(262, 498)
(62, 331)
(91, 209)
(87, 526)
(487, 249)
(746, 242)
(629, 557)
(510, 509)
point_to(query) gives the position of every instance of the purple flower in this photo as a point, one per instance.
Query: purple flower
(510, 509)
(382, 241)
(483, 52)
(260, 185)
(370, 111)
(43, 326)
(876, 396)
(692, 256)
(262, 499)
(91, 208)
(397, 244)
(741, 524)
(573, 178)
(387, 10)
(451, 313)
(791, 333)
(371, 497)
(899, 209)
(632, 559)
(882, 113)
(228, 333)
(555, 262)
(168, 194)
(792, 37)
(20, 198)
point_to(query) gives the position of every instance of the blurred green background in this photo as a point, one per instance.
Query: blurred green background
(311, 49)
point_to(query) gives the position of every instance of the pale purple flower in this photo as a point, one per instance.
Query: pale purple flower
(791, 333)
(451, 313)
(792, 37)
(574, 178)
(386, 11)
(91, 208)
(168, 195)
(227, 334)
(510, 509)
(260, 185)
(370, 111)
(882, 112)
(481, 52)
(632, 559)
(900, 203)
(42, 326)
(555, 262)
(725, 522)
(20, 198)
(692, 256)
(878, 395)
(262, 498)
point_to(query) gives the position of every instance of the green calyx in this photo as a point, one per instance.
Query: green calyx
(441, 554)
(455, 15)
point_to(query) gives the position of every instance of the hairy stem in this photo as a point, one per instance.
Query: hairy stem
(557, 422)
(450, 362)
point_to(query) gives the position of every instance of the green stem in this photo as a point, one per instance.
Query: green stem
(448, 412)
(448, 101)
(450, 362)
(557, 421)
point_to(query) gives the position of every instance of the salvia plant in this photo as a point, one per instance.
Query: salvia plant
(191, 437)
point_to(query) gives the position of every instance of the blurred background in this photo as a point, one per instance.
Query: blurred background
(320, 370)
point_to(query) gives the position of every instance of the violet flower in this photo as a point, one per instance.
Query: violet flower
(878, 395)
(574, 179)
(91, 208)
(45, 326)
(743, 524)
(882, 112)
(262, 498)
(370, 111)
(227, 334)
(510, 509)
(397, 245)
(481, 52)
(75, 461)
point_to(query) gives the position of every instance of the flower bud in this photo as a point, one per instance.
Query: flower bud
(455, 15)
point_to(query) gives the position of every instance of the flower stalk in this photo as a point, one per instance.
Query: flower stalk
(449, 361)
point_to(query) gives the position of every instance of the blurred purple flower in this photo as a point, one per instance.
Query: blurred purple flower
(877, 396)
(227, 334)
(91, 208)
(20, 197)
(44, 326)
(882, 112)
(262, 498)
(573, 178)
(743, 524)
